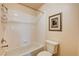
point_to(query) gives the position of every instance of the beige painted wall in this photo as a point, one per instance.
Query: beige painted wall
(0, 25)
(69, 36)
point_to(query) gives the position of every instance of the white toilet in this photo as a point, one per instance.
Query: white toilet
(51, 48)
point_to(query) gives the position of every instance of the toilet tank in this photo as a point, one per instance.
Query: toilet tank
(52, 46)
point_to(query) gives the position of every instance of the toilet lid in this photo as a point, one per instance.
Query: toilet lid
(44, 53)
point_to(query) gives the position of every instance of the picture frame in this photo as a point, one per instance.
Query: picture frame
(55, 22)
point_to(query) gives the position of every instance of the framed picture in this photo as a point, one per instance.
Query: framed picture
(55, 22)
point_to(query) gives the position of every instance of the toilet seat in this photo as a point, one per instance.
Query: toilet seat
(44, 53)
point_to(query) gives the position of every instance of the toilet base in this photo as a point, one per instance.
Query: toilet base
(44, 53)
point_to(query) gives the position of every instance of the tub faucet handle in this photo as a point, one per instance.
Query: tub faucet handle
(4, 46)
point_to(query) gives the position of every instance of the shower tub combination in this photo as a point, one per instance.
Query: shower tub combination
(21, 31)
(30, 50)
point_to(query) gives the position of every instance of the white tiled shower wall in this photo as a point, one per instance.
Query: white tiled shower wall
(21, 26)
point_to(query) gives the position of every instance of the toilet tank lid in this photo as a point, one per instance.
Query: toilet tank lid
(52, 42)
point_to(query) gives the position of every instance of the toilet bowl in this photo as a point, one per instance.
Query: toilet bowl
(44, 53)
(51, 48)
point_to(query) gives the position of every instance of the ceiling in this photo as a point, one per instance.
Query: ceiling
(34, 5)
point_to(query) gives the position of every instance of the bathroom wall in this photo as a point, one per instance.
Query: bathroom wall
(21, 26)
(69, 37)
(0, 25)
(1, 28)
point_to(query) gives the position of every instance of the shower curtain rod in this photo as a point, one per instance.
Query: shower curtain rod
(31, 7)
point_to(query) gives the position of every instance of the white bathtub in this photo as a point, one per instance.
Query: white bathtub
(24, 51)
